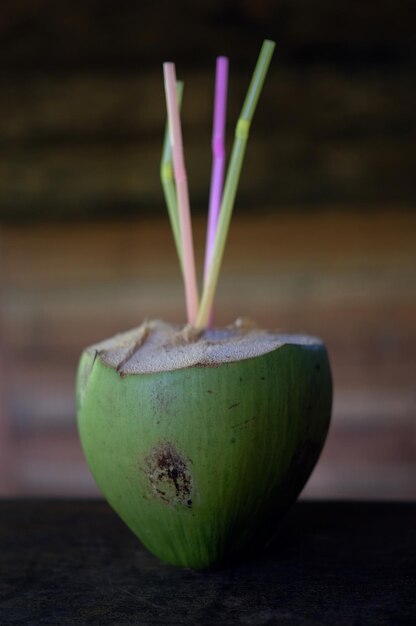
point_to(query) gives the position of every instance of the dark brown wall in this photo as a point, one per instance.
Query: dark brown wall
(82, 104)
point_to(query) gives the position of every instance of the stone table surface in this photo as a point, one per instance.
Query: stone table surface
(335, 563)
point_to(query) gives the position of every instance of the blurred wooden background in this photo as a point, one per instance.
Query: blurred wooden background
(323, 238)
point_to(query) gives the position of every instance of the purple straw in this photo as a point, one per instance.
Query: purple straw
(218, 161)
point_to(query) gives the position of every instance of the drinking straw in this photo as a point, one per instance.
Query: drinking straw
(218, 160)
(189, 274)
(166, 177)
(231, 183)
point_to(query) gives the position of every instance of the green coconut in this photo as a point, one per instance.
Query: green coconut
(200, 441)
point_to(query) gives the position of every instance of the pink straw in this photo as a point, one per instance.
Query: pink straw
(191, 290)
(218, 161)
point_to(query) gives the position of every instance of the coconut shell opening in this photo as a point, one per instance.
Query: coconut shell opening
(156, 346)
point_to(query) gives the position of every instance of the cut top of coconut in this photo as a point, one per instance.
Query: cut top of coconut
(157, 346)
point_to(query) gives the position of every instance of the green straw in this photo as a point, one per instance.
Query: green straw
(167, 179)
(231, 183)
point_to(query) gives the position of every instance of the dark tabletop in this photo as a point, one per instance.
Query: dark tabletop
(74, 562)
